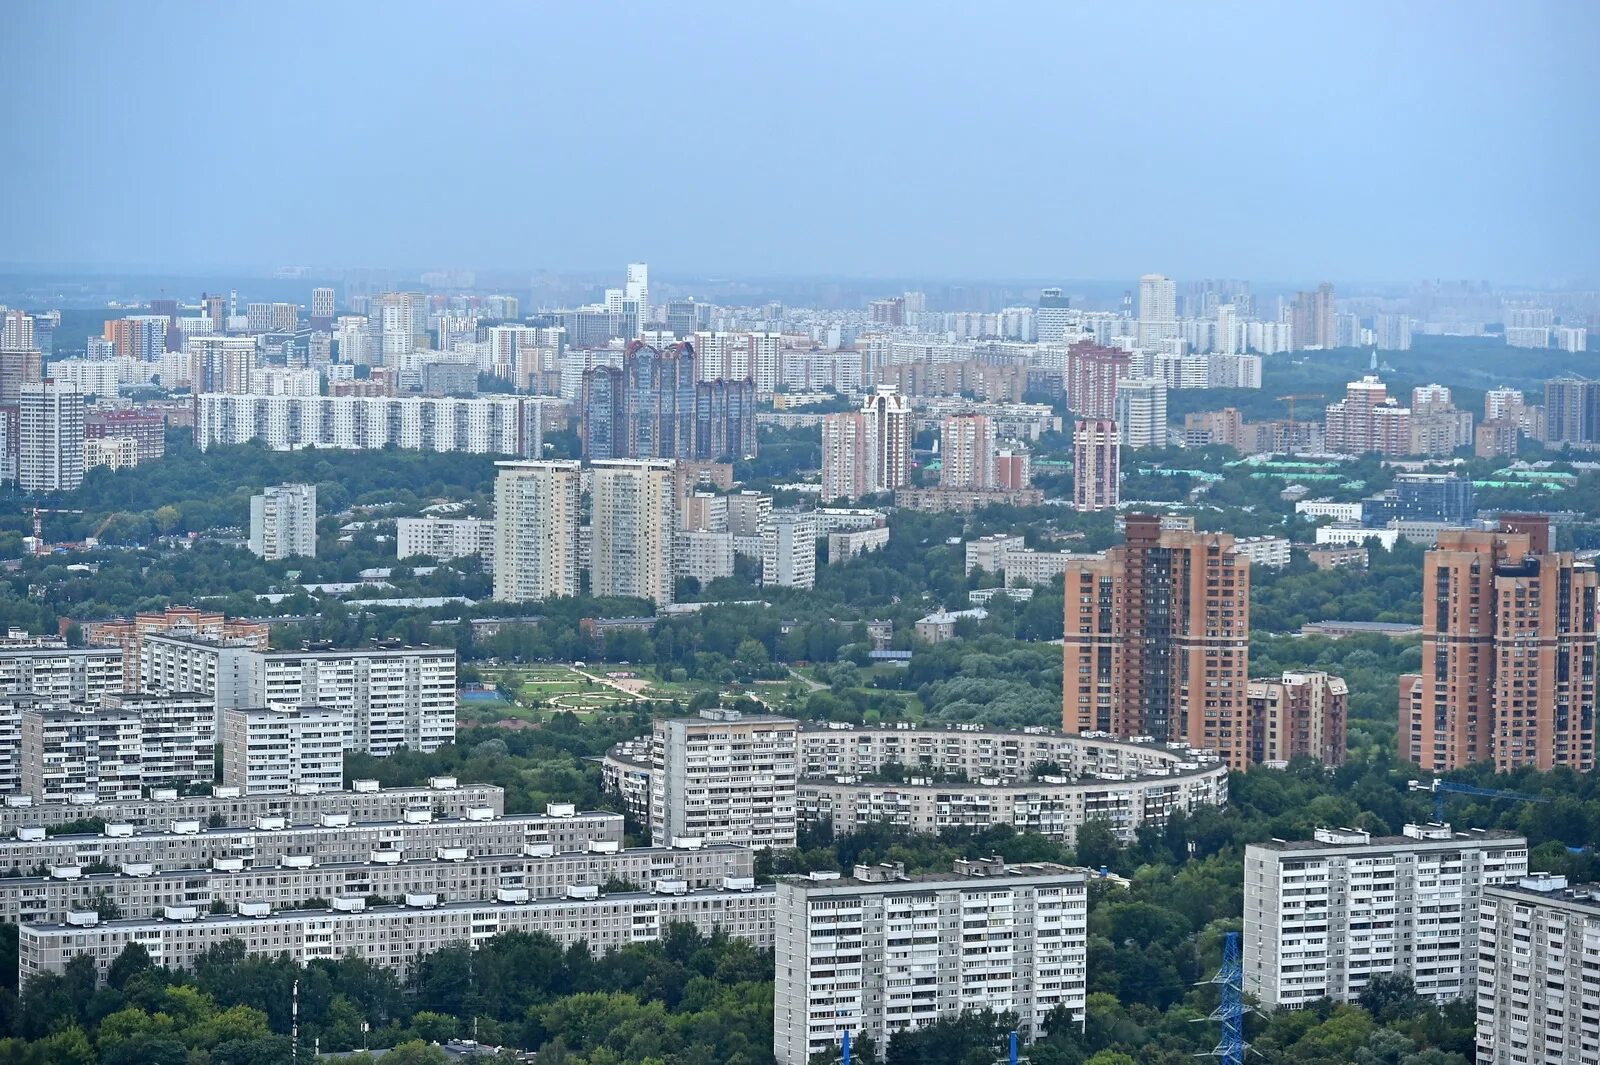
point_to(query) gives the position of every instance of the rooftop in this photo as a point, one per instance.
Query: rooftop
(1344, 839)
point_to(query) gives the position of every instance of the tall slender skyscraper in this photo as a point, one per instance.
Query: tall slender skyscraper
(637, 289)
(536, 531)
(889, 423)
(1096, 465)
(1508, 653)
(1157, 639)
(635, 522)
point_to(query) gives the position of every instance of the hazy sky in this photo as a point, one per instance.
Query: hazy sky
(1281, 141)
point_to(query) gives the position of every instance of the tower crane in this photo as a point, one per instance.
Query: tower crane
(1291, 397)
(38, 525)
(1443, 788)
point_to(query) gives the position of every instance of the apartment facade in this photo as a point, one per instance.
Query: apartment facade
(966, 451)
(635, 525)
(482, 425)
(445, 538)
(725, 777)
(393, 936)
(52, 670)
(1303, 713)
(1539, 973)
(1323, 916)
(332, 839)
(882, 952)
(283, 749)
(49, 436)
(1096, 465)
(789, 550)
(1508, 653)
(1157, 639)
(283, 522)
(536, 531)
(447, 872)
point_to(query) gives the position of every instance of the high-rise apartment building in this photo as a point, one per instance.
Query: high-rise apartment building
(635, 524)
(51, 670)
(655, 406)
(1323, 916)
(1312, 320)
(16, 331)
(847, 461)
(399, 321)
(966, 451)
(1096, 466)
(1508, 653)
(1392, 332)
(283, 522)
(1141, 411)
(142, 337)
(1538, 999)
(637, 290)
(789, 550)
(1502, 404)
(1157, 639)
(283, 749)
(881, 952)
(129, 635)
(1368, 419)
(725, 777)
(49, 437)
(536, 531)
(1303, 713)
(889, 438)
(18, 367)
(322, 309)
(1091, 379)
(1158, 309)
(1053, 316)
(444, 538)
(221, 363)
(1572, 411)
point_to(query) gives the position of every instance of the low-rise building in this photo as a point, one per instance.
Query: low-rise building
(843, 546)
(1270, 551)
(1337, 556)
(941, 624)
(444, 538)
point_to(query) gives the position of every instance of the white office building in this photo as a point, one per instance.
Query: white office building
(1323, 916)
(283, 522)
(882, 952)
(1539, 973)
(283, 749)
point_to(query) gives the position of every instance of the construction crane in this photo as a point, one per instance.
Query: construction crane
(1290, 399)
(113, 516)
(38, 526)
(1443, 788)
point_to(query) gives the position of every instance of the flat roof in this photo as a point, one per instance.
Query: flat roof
(395, 908)
(1309, 846)
(224, 830)
(716, 848)
(1010, 873)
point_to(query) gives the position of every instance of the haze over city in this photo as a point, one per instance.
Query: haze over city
(1357, 142)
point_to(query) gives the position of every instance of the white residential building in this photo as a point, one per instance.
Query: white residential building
(444, 538)
(1142, 412)
(724, 777)
(394, 936)
(1327, 508)
(789, 550)
(882, 952)
(635, 523)
(705, 556)
(480, 425)
(843, 546)
(1539, 973)
(536, 531)
(1323, 916)
(60, 673)
(1271, 551)
(283, 749)
(178, 662)
(283, 522)
(110, 751)
(1158, 310)
(49, 437)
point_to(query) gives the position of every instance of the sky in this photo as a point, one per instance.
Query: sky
(1272, 141)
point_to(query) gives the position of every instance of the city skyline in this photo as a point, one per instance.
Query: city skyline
(1413, 91)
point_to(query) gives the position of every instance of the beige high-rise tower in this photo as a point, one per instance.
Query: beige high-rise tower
(536, 531)
(634, 520)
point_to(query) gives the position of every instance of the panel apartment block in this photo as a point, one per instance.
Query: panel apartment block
(881, 952)
(1323, 916)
